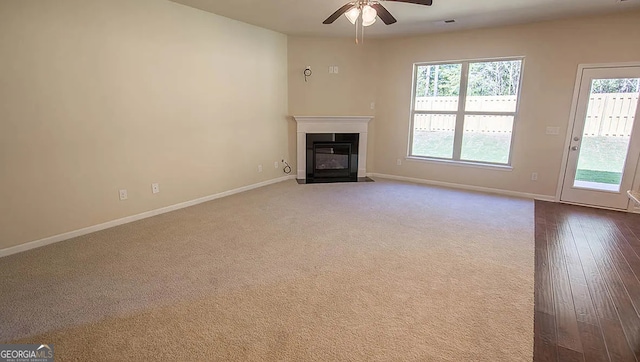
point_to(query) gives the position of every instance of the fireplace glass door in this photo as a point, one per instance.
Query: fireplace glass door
(332, 159)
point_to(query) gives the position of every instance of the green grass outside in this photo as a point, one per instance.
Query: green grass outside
(602, 158)
(604, 177)
(603, 153)
(476, 146)
(437, 144)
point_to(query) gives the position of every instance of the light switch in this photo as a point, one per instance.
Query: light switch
(553, 130)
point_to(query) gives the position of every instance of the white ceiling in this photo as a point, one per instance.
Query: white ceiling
(305, 17)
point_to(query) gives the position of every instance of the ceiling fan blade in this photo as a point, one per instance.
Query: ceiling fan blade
(419, 2)
(337, 14)
(384, 14)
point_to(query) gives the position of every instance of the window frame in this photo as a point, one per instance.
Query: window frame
(461, 113)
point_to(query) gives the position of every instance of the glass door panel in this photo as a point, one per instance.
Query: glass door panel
(609, 121)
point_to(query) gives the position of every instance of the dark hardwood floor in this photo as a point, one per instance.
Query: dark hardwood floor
(587, 293)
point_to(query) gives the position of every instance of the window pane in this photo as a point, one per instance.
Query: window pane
(438, 87)
(493, 86)
(433, 135)
(487, 138)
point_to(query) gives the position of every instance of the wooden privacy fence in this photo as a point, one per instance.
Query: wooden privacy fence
(447, 122)
(611, 114)
(473, 123)
(608, 114)
(474, 103)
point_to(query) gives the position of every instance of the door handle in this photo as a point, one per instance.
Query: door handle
(574, 148)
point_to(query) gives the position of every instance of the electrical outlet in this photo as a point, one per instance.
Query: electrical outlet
(259, 168)
(399, 162)
(373, 105)
(123, 194)
(155, 188)
(335, 69)
(275, 165)
(534, 176)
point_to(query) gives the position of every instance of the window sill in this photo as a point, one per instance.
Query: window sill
(487, 166)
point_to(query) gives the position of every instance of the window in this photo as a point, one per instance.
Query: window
(465, 111)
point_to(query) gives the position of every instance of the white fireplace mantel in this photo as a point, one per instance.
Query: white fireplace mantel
(332, 124)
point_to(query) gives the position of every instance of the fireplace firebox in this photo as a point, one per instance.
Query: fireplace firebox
(332, 157)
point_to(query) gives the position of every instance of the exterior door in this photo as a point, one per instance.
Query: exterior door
(605, 145)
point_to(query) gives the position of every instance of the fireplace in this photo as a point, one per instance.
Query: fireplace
(332, 157)
(333, 160)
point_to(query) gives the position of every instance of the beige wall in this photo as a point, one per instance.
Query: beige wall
(552, 53)
(348, 93)
(103, 95)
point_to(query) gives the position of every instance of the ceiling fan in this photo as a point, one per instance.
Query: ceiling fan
(368, 10)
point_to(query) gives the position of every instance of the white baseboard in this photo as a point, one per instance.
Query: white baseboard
(109, 224)
(466, 187)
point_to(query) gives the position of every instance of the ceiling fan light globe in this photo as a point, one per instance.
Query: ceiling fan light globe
(368, 15)
(368, 23)
(352, 15)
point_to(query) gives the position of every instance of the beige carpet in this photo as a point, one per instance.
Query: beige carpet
(384, 271)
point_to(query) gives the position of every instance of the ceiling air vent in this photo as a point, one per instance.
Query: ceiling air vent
(444, 22)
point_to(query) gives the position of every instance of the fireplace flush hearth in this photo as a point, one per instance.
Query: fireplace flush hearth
(340, 148)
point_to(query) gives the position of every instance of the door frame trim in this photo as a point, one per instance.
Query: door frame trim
(572, 120)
